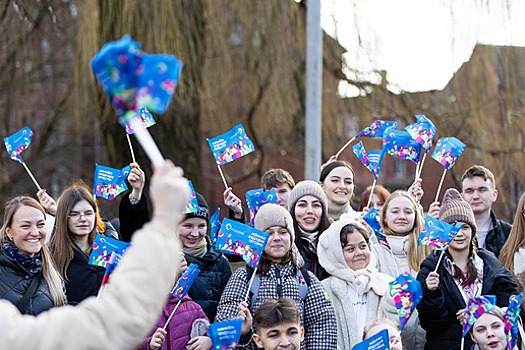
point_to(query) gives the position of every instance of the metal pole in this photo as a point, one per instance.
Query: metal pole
(314, 84)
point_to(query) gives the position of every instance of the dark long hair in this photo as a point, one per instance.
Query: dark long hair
(323, 225)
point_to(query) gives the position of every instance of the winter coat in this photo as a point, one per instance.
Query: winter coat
(215, 273)
(179, 328)
(83, 280)
(15, 280)
(124, 314)
(132, 217)
(497, 235)
(308, 252)
(393, 263)
(318, 318)
(437, 309)
(375, 284)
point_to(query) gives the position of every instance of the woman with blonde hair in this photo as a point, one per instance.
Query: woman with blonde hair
(72, 242)
(29, 278)
(512, 254)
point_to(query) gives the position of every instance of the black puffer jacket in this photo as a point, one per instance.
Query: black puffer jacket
(437, 309)
(215, 273)
(308, 252)
(497, 236)
(15, 280)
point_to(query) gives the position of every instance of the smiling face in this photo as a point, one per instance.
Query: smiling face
(286, 336)
(308, 212)
(339, 186)
(479, 193)
(356, 251)
(192, 231)
(278, 244)
(489, 332)
(27, 230)
(400, 215)
(462, 239)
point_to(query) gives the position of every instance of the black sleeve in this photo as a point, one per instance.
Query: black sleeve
(231, 216)
(132, 217)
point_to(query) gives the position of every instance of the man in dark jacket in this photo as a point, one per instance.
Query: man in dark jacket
(479, 190)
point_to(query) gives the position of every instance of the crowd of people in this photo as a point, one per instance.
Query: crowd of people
(322, 281)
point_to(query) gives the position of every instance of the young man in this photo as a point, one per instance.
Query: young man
(277, 325)
(281, 181)
(479, 190)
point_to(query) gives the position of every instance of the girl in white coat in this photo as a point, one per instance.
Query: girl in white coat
(358, 291)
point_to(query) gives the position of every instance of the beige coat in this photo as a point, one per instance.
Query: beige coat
(124, 314)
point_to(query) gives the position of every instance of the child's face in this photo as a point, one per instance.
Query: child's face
(286, 336)
(278, 244)
(394, 336)
(462, 239)
(400, 215)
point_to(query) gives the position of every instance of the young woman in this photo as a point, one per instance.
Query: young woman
(464, 272)
(29, 278)
(337, 179)
(488, 332)
(207, 289)
(279, 276)
(358, 291)
(402, 223)
(307, 204)
(512, 254)
(72, 241)
(378, 198)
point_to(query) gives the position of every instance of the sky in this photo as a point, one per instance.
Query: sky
(420, 43)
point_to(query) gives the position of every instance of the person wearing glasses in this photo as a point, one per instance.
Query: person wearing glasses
(72, 241)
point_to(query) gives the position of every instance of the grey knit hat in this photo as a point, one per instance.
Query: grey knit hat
(307, 188)
(274, 215)
(454, 208)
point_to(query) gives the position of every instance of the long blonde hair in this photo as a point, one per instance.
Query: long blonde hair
(62, 243)
(516, 238)
(49, 271)
(416, 254)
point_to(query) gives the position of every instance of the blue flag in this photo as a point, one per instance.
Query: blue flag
(193, 205)
(18, 142)
(242, 240)
(225, 335)
(257, 198)
(110, 182)
(371, 160)
(437, 233)
(399, 143)
(145, 119)
(407, 293)
(447, 151)
(376, 128)
(372, 219)
(378, 341)
(231, 145)
(185, 281)
(103, 247)
(215, 224)
(423, 131)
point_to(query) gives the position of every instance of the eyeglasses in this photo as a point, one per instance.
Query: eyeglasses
(74, 216)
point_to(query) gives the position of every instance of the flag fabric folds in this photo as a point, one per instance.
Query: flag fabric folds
(372, 219)
(193, 204)
(437, 233)
(18, 142)
(423, 131)
(371, 159)
(185, 281)
(231, 145)
(145, 119)
(257, 198)
(476, 307)
(103, 246)
(400, 143)
(215, 224)
(376, 128)
(511, 318)
(447, 151)
(407, 293)
(242, 240)
(110, 182)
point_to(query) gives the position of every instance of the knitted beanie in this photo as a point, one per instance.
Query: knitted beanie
(307, 188)
(274, 215)
(454, 208)
(203, 212)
